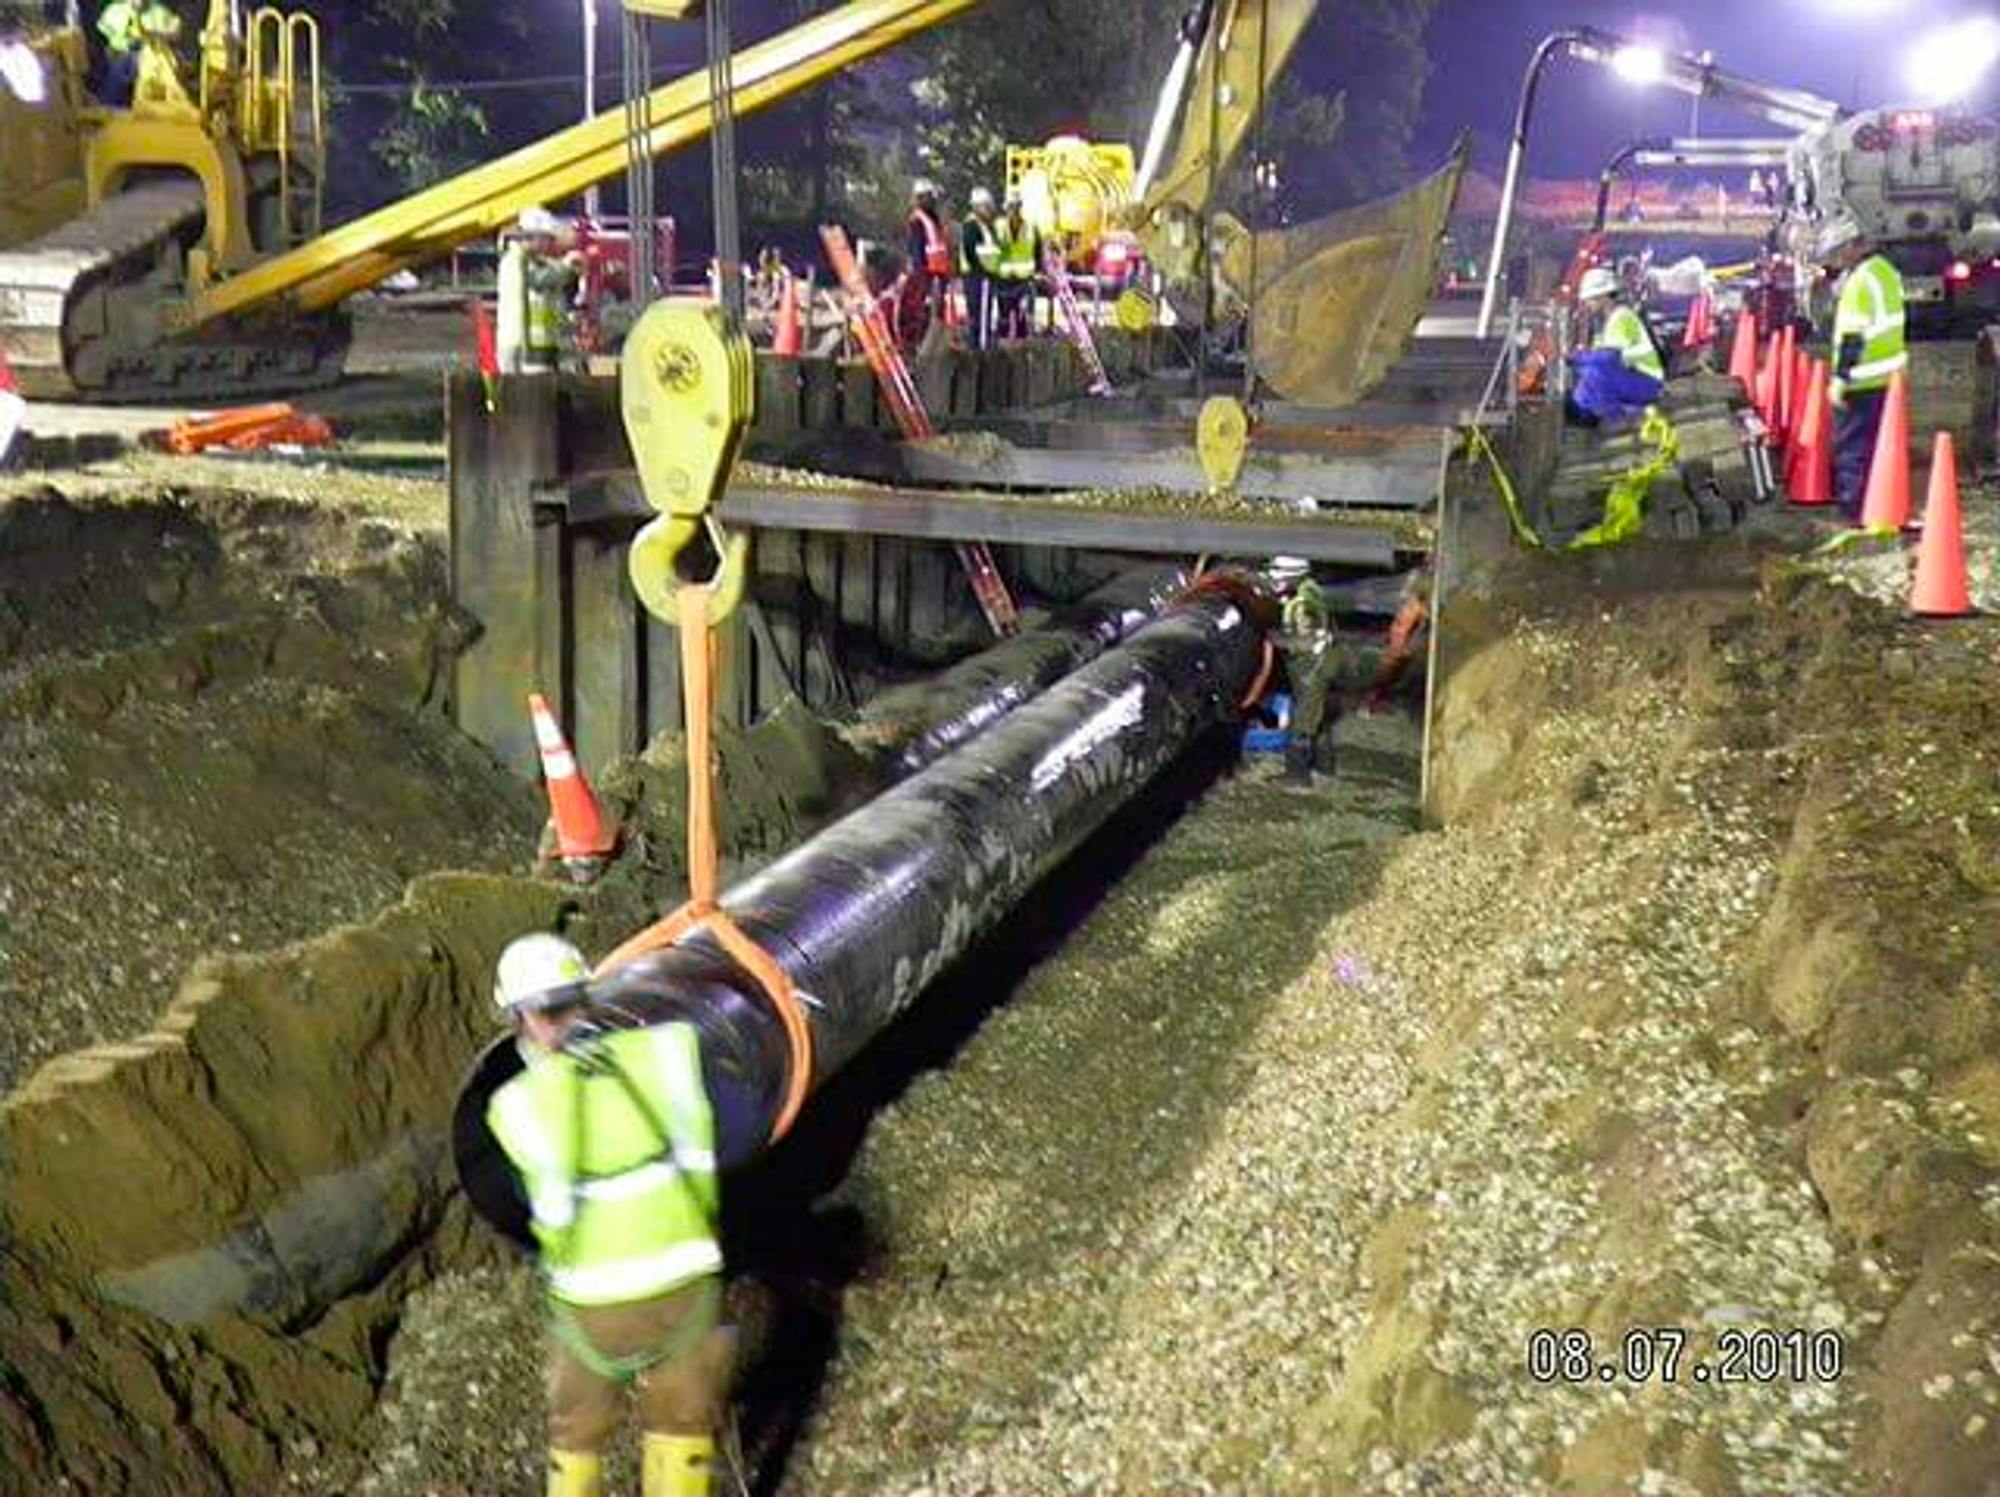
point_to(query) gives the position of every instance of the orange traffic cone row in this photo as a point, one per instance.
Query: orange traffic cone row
(1809, 470)
(1886, 505)
(1743, 353)
(583, 842)
(1940, 590)
(13, 409)
(789, 338)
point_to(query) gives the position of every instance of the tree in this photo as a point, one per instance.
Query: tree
(434, 134)
(1021, 70)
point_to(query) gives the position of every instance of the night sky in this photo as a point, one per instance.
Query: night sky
(1848, 50)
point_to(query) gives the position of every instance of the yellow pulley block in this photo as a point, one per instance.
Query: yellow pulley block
(1221, 438)
(687, 388)
(1133, 311)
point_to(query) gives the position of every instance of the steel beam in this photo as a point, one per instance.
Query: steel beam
(1002, 520)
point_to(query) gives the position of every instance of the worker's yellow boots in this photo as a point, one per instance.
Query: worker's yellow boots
(575, 1473)
(679, 1466)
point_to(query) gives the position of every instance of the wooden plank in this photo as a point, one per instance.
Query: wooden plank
(504, 568)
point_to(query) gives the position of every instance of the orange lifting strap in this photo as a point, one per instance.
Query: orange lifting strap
(704, 858)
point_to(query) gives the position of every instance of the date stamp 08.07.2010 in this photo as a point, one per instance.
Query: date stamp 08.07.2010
(1668, 1354)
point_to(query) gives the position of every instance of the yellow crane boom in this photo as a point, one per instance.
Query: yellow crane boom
(356, 255)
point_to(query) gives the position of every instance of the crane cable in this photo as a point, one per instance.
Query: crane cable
(698, 648)
(698, 671)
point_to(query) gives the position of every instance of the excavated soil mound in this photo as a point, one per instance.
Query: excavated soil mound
(220, 729)
(223, 733)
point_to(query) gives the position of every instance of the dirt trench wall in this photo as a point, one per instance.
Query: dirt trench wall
(1868, 745)
(205, 1227)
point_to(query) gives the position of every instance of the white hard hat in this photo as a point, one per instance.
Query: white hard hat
(923, 187)
(539, 971)
(1836, 234)
(1597, 281)
(538, 221)
(981, 198)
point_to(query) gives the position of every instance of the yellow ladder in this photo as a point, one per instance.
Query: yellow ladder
(282, 110)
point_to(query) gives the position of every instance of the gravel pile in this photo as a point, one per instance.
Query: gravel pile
(1493, 1099)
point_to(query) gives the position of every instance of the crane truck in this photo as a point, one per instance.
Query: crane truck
(1924, 185)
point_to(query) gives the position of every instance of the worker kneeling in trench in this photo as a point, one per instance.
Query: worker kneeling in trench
(613, 1136)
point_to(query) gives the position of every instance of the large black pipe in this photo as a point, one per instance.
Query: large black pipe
(982, 689)
(864, 915)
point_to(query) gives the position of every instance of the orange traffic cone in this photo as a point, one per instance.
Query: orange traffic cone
(1767, 390)
(1788, 386)
(1940, 590)
(1887, 502)
(1699, 329)
(13, 409)
(486, 351)
(790, 338)
(1743, 353)
(583, 842)
(1809, 471)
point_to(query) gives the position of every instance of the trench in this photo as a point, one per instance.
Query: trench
(228, 749)
(1612, 1046)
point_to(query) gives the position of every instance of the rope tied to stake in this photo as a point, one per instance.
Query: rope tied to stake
(698, 663)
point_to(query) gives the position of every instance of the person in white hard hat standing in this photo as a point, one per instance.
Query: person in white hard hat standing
(979, 265)
(613, 1136)
(1870, 328)
(927, 275)
(1621, 373)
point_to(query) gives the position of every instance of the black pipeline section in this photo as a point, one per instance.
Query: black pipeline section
(979, 691)
(864, 915)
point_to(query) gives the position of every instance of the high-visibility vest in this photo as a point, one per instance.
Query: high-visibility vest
(1020, 252)
(615, 1143)
(1870, 307)
(122, 22)
(546, 284)
(1625, 332)
(937, 254)
(979, 249)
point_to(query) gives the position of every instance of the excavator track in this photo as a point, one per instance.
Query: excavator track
(80, 312)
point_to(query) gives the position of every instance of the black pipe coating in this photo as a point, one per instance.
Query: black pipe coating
(865, 914)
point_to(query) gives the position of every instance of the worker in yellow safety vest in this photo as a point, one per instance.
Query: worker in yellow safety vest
(613, 1137)
(979, 265)
(123, 26)
(1621, 373)
(1869, 329)
(1020, 264)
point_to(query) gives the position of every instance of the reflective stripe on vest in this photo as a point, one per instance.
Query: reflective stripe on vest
(937, 254)
(620, 1212)
(1625, 332)
(1018, 253)
(985, 256)
(1870, 308)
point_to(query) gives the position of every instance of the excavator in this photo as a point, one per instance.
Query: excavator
(174, 250)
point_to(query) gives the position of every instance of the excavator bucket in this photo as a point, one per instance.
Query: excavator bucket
(1334, 300)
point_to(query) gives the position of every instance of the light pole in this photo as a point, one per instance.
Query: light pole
(591, 201)
(1554, 42)
(1638, 64)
